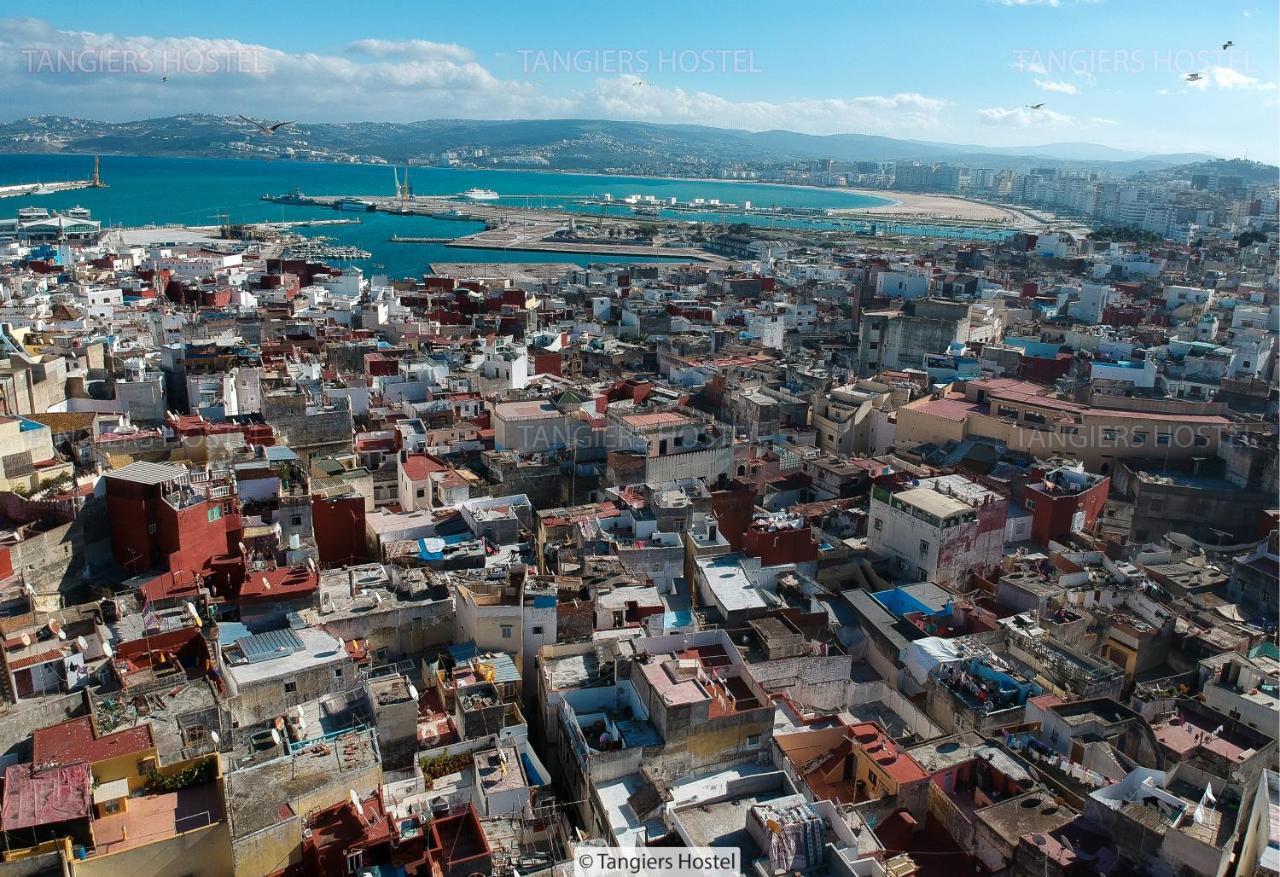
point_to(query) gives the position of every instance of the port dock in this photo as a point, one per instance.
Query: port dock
(19, 190)
(506, 227)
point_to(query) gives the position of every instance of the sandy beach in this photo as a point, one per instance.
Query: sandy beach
(917, 206)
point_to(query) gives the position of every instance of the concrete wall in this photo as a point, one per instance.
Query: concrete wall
(944, 812)
(259, 701)
(204, 852)
(267, 850)
(405, 629)
(818, 682)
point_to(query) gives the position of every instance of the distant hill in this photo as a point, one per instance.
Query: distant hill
(1251, 172)
(567, 144)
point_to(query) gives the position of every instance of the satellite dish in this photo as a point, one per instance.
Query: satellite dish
(82, 643)
(213, 735)
(413, 692)
(341, 644)
(107, 650)
(275, 736)
(62, 634)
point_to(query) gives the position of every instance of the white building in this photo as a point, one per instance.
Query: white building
(902, 284)
(940, 530)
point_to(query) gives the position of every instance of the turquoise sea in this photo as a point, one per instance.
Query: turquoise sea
(200, 191)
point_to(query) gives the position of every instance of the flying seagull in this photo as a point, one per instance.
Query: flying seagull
(164, 79)
(638, 82)
(1035, 106)
(1228, 44)
(266, 129)
(1193, 77)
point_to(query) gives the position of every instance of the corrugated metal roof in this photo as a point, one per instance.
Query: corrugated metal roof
(504, 669)
(143, 472)
(272, 644)
(461, 652)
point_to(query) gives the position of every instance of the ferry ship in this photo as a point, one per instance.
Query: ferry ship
(358, 205)
(480, 195)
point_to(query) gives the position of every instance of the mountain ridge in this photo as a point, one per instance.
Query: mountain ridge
(565, 144)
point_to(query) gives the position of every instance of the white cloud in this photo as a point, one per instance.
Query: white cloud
(1227, 77)
(619, 98)
(1059, 87)
(81, 72)
(1230, 79)
(397, 80)
(413, 49)
(1025, 117)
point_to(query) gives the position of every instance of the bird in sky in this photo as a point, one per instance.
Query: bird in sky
(1228, 44)
(164, 79)
(638, 82)
(1193, 77)
(266, 129)
(1035, 106)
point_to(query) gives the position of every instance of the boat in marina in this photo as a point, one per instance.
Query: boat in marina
(480, 195)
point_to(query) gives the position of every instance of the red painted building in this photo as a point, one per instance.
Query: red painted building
(1042, 370)
(1065, 500)
(775, 541)
(338, 524)
(161, 520)
(733, 508)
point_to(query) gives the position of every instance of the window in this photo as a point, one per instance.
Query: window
(337, 672)
(290, 687)
(873, 779)
(1109, 435)
(924, 547)
(355, 861)
(421, 492)
(1162, 441)
(1069, 430)
(295, 520)
(1201, 441)
(506, 631)
(215, 513)
(537, 630)
(1139, 438)
(1031, 505)
(753, 740)
(879, 524)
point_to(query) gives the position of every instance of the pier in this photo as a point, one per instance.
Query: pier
(18, 190)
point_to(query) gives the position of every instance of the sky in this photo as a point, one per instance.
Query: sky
(959, 71)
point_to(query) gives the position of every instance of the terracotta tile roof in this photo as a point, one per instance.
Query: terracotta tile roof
(32, 660)
(73, 741)
(44, 798)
